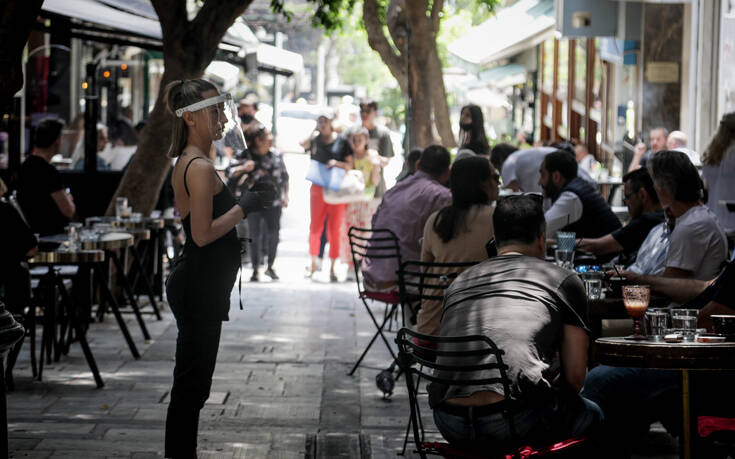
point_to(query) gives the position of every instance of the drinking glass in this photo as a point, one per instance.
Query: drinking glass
(72, 235)
(636, 298)
(594, 288)
(564, 258)
(121, 203)
(656, 323)
(565, 240)
(686, 321)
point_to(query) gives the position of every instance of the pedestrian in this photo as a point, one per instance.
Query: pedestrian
(472, 130)
(198, 288)
(264, 225)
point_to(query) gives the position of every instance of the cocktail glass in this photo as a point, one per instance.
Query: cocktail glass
(636, 299)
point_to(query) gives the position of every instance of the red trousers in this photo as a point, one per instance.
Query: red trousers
(319, 211)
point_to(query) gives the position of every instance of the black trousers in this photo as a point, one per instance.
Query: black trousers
(264, 227)
(196, 355)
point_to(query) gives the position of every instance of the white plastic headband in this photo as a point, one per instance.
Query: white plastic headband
(203, 103)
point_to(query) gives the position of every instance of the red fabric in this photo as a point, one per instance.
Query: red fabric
(426, 344)
(385, 297)
(707, 425)
(446, 450)
(320, 210)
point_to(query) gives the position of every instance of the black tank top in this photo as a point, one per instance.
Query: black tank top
(210, 271)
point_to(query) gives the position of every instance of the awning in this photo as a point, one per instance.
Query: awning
(279, 60)
(138, 18)
(504, 75)
(512, 30)
(224, 74)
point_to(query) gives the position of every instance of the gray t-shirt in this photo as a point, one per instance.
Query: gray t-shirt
(521, 303)
(379, 140)
(698, 244)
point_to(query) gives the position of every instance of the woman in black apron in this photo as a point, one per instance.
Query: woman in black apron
(199, 286)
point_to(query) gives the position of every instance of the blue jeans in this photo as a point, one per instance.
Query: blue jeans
(563, 416)
(631, 399)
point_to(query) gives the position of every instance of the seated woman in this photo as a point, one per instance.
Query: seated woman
(16, 243)
(460, 231)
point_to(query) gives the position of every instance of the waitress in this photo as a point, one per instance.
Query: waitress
(199, 286)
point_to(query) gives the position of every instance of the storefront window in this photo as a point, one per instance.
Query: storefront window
(548, 75)
(580, 69)
(563, 69)
(597, 79)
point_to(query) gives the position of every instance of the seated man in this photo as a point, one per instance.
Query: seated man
(645, 213)
(698, 244)
(46, 206)
(534, 311)
(575, 205)
(405, 209)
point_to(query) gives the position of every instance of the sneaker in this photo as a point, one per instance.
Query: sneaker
(254, 277)
(272, 274)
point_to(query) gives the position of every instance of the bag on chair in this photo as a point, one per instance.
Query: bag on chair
(352, 189)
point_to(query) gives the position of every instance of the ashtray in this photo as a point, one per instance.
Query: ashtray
(711, 338)
(674, 338)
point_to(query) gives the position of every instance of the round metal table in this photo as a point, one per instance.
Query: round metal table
(684, 356)
(145, 222)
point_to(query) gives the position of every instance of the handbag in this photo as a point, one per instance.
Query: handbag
(352, 189)
(326, 177)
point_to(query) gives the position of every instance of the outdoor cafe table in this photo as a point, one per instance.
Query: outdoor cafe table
(51, 282)
(684, 356)
(109, 243)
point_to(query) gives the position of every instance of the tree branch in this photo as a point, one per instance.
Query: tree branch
(214, 18)
(378, 41)
(436, 9)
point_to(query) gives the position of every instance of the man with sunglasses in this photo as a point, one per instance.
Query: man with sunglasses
(645, 213)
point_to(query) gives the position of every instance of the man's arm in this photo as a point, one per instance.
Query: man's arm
(574, 346)
(64, 202)
(567, 209)
(601, 245)
(677, 289)
(677, 273)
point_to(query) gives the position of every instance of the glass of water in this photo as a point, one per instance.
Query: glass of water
(121, 204)
(72, 235)
(686, 321)
(564, 258)
(594, 288)
(657, 322)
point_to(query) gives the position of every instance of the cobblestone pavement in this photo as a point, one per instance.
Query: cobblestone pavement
(280, 388)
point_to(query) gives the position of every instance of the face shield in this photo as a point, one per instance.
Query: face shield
(222, 121)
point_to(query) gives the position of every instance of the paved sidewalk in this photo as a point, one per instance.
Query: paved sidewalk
(280, 388)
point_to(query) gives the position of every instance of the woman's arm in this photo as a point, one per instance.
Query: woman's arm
(347, 164)
(204, 229)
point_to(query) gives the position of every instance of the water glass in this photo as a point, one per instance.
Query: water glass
(72, 235)
(564, 258)
(657, 323)
(593, 288)
(565, 240)
(686, 321)
(121, 203)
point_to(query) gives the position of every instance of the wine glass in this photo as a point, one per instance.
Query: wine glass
(636, 298)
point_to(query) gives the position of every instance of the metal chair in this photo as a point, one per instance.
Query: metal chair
(376, 243)
(417, 356)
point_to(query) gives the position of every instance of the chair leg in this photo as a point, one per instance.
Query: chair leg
(102, 282)
(140, 273)
(377, 333)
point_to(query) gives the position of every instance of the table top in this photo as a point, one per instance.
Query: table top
(621, 352)
(145, 222)
(65, 257)
(107, 241)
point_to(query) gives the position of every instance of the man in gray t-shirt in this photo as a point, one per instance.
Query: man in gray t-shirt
(535, 312)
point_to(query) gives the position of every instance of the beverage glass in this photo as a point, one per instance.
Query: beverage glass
(636, 298)
(686, 321)
(126, 211)
(136, 216)
(565, 240)
(121, 203)
(593, 288)
(564, 258)
(72, 235)
(656, 324)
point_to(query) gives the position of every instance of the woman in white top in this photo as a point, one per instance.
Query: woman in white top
(718, 171)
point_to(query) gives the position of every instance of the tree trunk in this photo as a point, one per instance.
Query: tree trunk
(439, 100)
(188, 47)
(420, 85)
(16, 20)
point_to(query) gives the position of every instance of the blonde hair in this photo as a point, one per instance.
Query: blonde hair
(723, 138)
(179, 94)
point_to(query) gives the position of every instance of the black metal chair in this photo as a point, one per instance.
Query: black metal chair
(423, 280)
(377, 243)
(417, 356)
